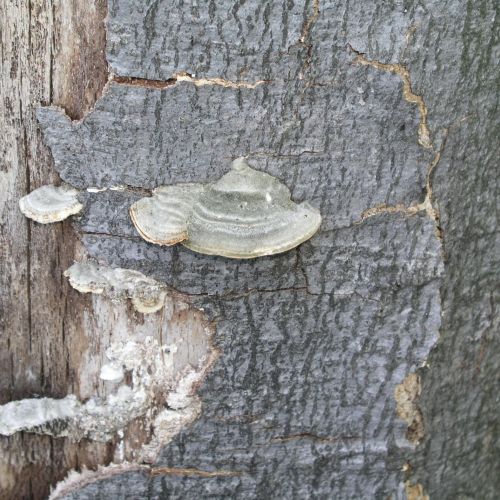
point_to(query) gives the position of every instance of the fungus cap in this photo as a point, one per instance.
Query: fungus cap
(162, 218)
(245, 214)
(50, 203)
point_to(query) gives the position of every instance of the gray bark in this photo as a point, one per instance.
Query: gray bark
(402, 277)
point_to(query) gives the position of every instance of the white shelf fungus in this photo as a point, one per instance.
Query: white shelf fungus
(147, 294)
(162, 218)
(50, 203)
(33, 413)
(245, 214)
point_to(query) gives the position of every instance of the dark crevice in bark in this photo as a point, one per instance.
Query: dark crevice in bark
(143, 82)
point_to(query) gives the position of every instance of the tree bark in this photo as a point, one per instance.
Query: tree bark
(362, 364)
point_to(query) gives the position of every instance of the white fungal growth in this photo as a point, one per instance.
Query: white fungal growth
(151, 370)
(243, 215)
(50, 203)
(137, 380)
(32, 413)
(147, 294)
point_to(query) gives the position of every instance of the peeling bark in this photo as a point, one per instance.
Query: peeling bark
(407, 394)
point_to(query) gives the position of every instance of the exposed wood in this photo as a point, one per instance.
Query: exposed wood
(42, 328)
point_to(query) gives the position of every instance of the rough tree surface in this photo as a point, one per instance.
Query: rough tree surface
(363, 364)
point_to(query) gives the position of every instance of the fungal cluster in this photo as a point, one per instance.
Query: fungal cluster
(150, 366)
(243, 215)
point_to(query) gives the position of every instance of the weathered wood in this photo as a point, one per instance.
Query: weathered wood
(382, 116)
(42, 330)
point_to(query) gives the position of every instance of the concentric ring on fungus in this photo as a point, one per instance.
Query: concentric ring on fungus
(245, 214)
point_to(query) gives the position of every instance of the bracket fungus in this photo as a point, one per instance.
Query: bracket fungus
(245, 214)
(147, 294)
(50, 203)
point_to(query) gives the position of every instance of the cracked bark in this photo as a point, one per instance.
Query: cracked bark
(424, 136)
(182, 77)
(382, 116)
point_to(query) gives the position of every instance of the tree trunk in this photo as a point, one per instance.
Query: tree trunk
(362, 364)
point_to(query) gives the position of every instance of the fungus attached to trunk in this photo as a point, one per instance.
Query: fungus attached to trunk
(245, 214)
(162, 218)
(50, 203)
(154, 382)
(147, 294)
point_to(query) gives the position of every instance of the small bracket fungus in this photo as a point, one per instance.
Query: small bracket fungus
(36, 414)
(245, 214)
(50, 203)
(147, 295)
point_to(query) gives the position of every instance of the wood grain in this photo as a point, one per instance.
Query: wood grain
(42, 332)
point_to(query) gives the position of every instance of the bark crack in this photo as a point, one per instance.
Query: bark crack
(183, 77)
(304, 36)
(28, 236)
(424, 139)
(146, 83)
(310, 21)
(192, 472)
(312, 437)
(425, 206)
(279, 155)
(424, 135)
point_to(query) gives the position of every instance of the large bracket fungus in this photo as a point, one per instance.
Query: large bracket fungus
(245, 214)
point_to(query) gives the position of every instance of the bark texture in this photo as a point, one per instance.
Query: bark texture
(382, 116)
